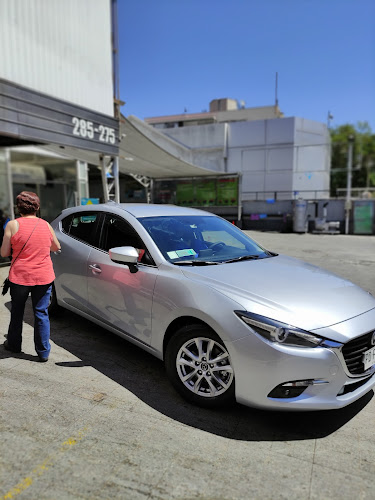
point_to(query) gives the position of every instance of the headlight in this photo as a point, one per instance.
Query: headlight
(275, 331)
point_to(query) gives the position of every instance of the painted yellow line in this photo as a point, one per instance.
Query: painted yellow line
(40, 469)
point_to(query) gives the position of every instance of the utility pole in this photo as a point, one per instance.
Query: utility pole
(348, 201)
(276, 89)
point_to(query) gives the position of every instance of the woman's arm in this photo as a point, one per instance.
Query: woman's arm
(55, 246)
(10, 229)
(6, 246)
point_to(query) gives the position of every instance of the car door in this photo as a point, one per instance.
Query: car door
(78, 234)
(116, 296)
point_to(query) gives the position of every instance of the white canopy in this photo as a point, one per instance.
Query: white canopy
(144, 151)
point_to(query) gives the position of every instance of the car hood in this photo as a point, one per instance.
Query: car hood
(286, 289)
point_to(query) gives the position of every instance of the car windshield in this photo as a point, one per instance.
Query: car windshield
(201, 240)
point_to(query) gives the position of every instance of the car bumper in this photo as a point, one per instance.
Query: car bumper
(261, 366)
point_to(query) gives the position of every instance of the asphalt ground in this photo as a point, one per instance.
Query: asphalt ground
(101, 421)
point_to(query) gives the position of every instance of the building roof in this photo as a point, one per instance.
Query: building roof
(229, 115)
(181, 118)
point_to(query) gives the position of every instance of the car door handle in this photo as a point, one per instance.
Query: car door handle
(95, 268)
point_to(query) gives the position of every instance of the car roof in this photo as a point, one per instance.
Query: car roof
(142, 209)
(154, 210)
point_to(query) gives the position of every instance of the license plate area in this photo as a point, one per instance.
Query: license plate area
(369, 358)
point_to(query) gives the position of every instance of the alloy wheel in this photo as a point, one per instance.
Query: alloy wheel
(204, 367)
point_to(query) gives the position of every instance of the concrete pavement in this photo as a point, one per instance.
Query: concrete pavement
(101, 421)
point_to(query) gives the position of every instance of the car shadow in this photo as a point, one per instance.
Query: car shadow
(145, 376)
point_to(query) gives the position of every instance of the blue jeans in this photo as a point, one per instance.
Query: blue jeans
(40, 297)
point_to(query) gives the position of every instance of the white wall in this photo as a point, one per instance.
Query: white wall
(312, 158)
(263, 151)
(285, 154)
(59, 47)
(206, 143)
(198, 136)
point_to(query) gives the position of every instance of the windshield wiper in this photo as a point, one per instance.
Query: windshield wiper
(195, 263)
(243, 257)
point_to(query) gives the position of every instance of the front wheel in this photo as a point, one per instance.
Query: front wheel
(199, 367)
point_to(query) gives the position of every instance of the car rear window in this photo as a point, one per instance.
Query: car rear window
(81, 226)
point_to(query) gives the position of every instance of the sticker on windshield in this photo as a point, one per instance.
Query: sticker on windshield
(182, 253)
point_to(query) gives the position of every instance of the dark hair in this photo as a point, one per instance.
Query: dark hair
(27, 203)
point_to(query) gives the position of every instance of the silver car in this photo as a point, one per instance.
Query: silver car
(231, 320)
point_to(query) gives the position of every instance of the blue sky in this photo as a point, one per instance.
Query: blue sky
(181, 54)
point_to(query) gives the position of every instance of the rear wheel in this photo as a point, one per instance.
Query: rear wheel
(199, 367)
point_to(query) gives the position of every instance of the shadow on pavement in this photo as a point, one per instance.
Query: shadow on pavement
(144, 376)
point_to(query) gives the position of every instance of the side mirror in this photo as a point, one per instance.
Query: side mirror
(125, 255)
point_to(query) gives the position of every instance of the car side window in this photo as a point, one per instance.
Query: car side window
(116, 232)
(81, 226)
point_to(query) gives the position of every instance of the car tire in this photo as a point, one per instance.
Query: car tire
(199, 381)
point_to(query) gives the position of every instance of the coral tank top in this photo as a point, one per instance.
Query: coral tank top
(34, 264)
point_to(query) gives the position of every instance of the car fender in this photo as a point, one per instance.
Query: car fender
(176, 296)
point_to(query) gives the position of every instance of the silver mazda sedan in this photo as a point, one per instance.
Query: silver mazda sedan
(231, 320)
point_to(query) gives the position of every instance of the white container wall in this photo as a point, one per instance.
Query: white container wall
(61, 48)
(282, 157)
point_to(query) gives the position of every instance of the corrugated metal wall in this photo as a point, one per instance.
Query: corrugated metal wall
(59, 47)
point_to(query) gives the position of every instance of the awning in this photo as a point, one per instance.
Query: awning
(144, 151)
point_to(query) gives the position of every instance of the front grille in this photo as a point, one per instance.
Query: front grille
(353, 353)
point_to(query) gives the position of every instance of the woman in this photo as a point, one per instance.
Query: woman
(30, 240)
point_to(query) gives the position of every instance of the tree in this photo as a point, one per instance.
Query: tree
(363, 156)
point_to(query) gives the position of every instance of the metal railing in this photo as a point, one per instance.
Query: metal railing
(366, 193)
(272, 196)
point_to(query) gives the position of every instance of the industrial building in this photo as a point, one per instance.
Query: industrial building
(57, 106)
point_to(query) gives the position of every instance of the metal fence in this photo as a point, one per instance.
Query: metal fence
(271, 196)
